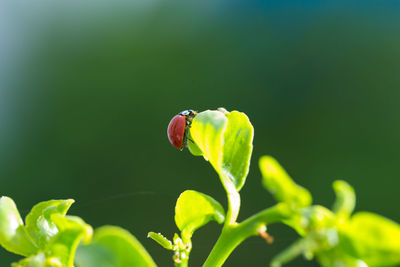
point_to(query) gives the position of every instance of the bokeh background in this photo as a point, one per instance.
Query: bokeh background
(87, 90)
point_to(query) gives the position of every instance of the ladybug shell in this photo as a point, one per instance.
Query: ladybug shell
(176, 131)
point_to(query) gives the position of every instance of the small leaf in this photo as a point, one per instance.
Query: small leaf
(59, 249)
(281, 186)
(13, 235)
(345, 199)
(374, 239)
(193, 210)
(67, 222)
(39, 223)
(113, 246)
(225, 139)
(160, 239)
(62, 247)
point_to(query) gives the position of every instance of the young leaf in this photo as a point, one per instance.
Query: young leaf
(39, 223)
(60, 250)
(280, 185)
(113, 246)
(160, 239)
(194, 209)
(345, 199)
(225, 139)
(374, 239)
(13, 235)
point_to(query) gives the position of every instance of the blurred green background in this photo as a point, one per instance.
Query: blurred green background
(87, 90)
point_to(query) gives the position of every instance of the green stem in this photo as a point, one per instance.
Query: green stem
(296, 249)
(233, 234)
(184, 263)
(233, 205)
(181, 257)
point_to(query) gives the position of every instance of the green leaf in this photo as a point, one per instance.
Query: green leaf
(59, 235)
(13, 235)
(60, 251)
(280, 185)
(72, 230)
(113, 246)
(374, 239)
(345, 199)
(39, 222)
(238, 146)
(194, 209)
(225, 139)
(160, 239)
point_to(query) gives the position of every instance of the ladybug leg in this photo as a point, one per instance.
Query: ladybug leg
(186, 137)
(187, 140)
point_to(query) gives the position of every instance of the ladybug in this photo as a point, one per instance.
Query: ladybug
(178, 128)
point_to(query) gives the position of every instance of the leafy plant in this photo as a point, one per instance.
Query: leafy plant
(49, 238)
(335, 237)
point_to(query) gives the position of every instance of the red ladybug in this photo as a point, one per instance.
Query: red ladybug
(178, 128)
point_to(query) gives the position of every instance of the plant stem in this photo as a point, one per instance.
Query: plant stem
(233, 234)
(233, 206)
(296, 249)
(184, 263)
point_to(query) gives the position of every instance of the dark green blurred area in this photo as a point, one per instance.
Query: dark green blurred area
(87, 91)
